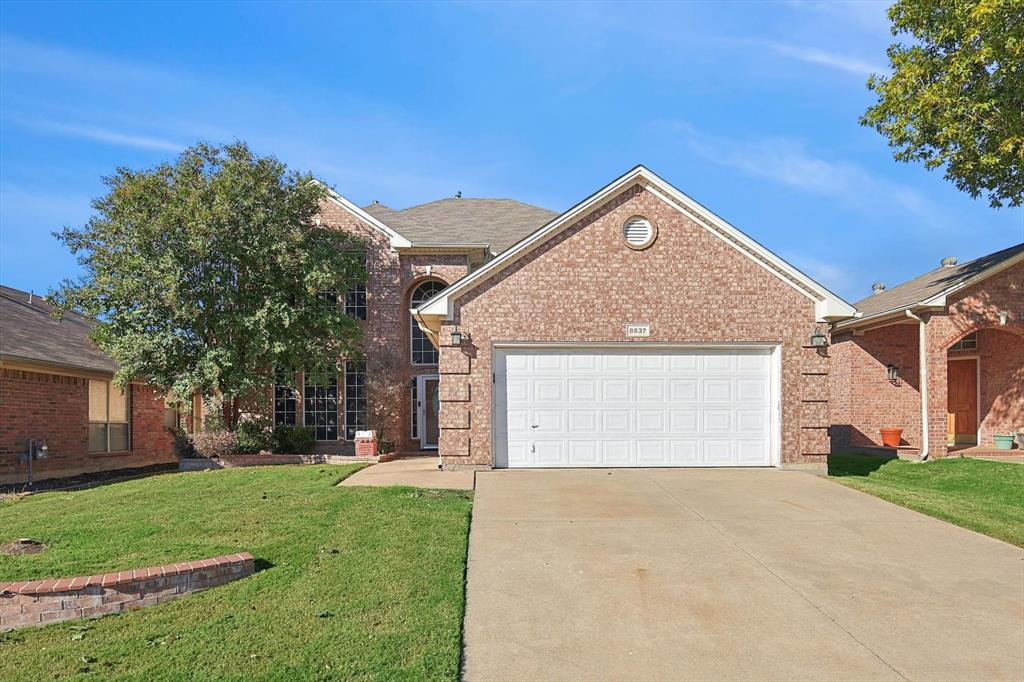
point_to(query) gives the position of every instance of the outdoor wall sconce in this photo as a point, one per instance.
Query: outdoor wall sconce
(893, 372)
(1002, 318)
(818, 340)
(457, 338)
(34, 449)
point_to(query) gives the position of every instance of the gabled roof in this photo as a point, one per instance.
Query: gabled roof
(29, 333)
(929, 288)
(396, 239)
(497, 223)
(828, 306)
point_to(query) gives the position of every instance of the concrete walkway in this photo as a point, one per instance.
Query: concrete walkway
(729, 574)
(416, 472)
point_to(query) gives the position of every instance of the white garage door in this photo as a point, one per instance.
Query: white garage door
(633, 408)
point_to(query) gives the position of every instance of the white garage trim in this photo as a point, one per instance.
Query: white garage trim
(500, 430)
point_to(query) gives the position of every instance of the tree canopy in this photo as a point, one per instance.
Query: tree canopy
(209, 272)
(956, 94)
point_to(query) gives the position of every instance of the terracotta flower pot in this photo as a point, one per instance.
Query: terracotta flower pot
(891, 438)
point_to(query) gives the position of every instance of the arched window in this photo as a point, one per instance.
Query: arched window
(423, 352)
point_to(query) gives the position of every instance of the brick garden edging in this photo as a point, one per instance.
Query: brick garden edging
(232, 461)
(40, 602)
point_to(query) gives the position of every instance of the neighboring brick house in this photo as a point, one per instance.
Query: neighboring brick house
(55, 386)
(964, 325)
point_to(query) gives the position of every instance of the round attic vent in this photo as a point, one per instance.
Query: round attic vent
(638, 232)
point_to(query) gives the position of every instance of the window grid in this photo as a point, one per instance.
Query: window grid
(355, 302)
(107, 432)
(285, 401)
(320, 405)
(969, 342)
(423, 351)
(355, 398)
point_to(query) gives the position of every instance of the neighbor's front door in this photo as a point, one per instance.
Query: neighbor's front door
(962, 402)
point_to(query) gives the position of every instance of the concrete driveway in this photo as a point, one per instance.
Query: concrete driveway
(729, 574)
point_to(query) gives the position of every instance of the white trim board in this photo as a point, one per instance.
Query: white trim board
(396, 240)
(828, 306)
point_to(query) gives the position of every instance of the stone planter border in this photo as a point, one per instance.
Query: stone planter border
(39, 602)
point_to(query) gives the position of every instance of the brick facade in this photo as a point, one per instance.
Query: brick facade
(863, 400)
(55, 408)
(585, 284)
(391, 278)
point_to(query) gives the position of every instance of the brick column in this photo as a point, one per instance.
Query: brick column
(937, 388)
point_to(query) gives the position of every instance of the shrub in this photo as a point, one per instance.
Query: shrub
(214, 444)
(294, 440)
(254, 434)
(181, 444)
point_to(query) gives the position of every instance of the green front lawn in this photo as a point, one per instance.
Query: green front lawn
(352, 583)
(984, 496)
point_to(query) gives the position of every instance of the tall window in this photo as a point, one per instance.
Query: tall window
(355, 398)
(284, 398)
(108, 418)
(414, 414)
(355, 299)
(320, 406)
(423, 351)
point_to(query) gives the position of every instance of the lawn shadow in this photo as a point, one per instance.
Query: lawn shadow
(857, 463)
(261, 565)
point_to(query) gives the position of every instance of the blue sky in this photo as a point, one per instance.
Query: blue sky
(750, 108)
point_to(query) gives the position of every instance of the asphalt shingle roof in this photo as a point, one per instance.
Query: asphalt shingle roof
(28, 332)
(499, 223)
(932, 283)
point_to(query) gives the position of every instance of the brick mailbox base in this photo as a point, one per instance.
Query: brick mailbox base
(39, 602)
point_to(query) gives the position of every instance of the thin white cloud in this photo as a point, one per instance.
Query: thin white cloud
(787, 162)
(41, 59)
(833, 276)
(819, 57)
(105, 135)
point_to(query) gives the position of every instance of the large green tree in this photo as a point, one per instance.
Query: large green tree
(956, 94)
(209, 272)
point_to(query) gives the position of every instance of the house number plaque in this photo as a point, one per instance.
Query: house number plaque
(638, 330)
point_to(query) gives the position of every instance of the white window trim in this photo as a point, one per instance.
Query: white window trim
(128, 409)
(413, 323)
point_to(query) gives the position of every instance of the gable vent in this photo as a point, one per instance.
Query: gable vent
(638, 231)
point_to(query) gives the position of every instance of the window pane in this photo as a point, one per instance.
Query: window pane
(118, 437)
(97, 437)
(97, 401)
(355, 398)
(320, 407)
(118, 404)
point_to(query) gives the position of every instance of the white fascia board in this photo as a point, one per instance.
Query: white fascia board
(940, 298)
(834, 307)
(396, 240)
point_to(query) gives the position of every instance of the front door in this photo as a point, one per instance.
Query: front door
(962, 402)
(429, 406)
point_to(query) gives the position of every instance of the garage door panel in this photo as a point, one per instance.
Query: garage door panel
(615, 363)
(635, 407)
(718, 451)
(617, 390)
(684, 422)
(650, 391)
(582, 422)
(616, 421)
(684, 452)
(684, 390)
(650, 421)
(616, 452)
(584, 453)
(548, 390)
(651, 453)
(717, 390)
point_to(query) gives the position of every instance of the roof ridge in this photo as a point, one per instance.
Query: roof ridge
(468, 199)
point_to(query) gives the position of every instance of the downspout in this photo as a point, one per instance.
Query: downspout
(923, 362)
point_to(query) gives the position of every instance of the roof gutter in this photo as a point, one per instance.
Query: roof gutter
(923, 363)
